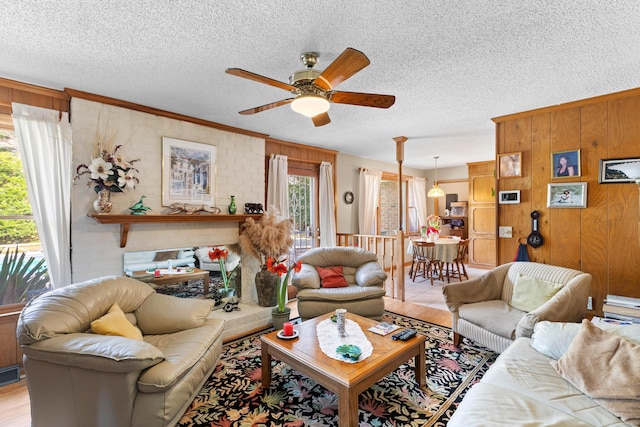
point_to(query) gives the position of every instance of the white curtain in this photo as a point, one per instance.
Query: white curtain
(327, 206)
(368, 200)
(278, 185)
(418, 188)
(44, 140)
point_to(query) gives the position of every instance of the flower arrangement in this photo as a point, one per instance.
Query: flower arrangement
(109, 170)
(221, 255)
(433, 224)
(279, 267)
(269, 237)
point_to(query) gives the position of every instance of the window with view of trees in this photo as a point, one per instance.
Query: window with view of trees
(22, 265)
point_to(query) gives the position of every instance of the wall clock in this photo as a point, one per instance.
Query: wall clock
(348, 197)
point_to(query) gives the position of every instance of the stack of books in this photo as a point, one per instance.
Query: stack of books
(622, 308)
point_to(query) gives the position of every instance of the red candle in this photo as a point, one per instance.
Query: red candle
(287, 329)
(156, 273)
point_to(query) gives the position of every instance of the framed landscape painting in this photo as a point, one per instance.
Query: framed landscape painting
(188, 172)
(619, 170)
(568, 195)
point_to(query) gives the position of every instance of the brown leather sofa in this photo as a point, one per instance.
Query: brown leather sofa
(363, 296)
(77, 378)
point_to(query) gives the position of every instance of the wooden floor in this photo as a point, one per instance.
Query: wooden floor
(14, 398)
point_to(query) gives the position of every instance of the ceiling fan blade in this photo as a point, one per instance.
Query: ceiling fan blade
(267, 106)
(344, 66)
(258, 78)
(321, 119)
(363, 99)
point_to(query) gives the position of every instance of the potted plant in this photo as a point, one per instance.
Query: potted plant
(270, 237)
(280, 313)
(20, 274)
(221, 256)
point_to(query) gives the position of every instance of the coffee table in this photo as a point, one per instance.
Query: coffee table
(345, 379)
(170, 279)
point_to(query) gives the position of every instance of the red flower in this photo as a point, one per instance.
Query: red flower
(218, 253)
(297, 266)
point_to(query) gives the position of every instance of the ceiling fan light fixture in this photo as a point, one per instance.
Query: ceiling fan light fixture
(310, 105)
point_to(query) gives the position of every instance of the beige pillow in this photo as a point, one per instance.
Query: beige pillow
(606, 368)
(165, 255)
(530, 293)
(116, 324)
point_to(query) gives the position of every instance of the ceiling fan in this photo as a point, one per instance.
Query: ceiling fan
(313, 89)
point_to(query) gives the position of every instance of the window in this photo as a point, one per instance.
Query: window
(387, 217)
(17, 227)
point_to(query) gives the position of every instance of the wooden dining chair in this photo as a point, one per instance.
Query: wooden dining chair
(456, 267)
(423, 258)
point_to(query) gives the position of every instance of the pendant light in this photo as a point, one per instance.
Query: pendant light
(435, 190)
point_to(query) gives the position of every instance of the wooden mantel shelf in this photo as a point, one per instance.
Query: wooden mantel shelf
(126, 220)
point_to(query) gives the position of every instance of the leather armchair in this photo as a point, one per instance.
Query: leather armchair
(363, 296)
(79, 378)
(480, 307)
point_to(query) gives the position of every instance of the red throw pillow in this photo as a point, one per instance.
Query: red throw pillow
(331, 277)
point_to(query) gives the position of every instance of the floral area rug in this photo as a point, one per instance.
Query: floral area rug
(233, 395)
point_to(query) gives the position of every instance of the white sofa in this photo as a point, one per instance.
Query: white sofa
(523, 388)
(144, 260)
(232, 261)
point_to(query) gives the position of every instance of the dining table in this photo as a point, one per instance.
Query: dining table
(445, 250)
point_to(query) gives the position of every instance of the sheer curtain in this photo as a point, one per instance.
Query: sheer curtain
(44, 140)
(327, 206)
(368, 200)
(418, 188)
(278, 185)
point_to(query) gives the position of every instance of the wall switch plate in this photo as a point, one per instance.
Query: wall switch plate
(505, 232)
(590, 303)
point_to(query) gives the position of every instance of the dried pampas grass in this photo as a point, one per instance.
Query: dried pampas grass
(269, 237)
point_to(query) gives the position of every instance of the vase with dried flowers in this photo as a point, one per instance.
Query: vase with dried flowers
(109, 171)
(270, 237)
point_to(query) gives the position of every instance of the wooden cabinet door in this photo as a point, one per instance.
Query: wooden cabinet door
(482, 215)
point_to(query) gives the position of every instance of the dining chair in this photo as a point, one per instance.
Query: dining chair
(423, 256)
(456, 267)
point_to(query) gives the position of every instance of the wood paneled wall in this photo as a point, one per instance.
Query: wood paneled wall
(603, 238)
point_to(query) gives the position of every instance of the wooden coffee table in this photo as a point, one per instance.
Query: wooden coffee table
(170, 279)
(345, 379)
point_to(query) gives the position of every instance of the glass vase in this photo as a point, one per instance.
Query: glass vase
(232, 206)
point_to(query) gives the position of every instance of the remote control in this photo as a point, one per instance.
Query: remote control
(408, 334)
(405, 335)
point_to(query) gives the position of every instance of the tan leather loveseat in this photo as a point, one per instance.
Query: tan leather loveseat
(365, 277)
(80, 378)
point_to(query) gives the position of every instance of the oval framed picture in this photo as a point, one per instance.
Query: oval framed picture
(348, 197)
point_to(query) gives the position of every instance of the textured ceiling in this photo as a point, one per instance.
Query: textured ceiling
(452, 65)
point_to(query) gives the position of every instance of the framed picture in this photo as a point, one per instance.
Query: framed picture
(565, 164)
(509, 197)
(567, 195)
(509, 165)
(619, 170)
(188, 172)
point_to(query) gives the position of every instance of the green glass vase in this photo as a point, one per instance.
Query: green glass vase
(232, 206)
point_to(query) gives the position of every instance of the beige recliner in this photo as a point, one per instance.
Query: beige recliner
(365, 277)
(481, 309)
(78, 378)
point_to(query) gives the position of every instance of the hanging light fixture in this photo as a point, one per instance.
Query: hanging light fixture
(435, 190)
(310, 105)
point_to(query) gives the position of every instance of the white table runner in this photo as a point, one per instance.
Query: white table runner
(329, 339)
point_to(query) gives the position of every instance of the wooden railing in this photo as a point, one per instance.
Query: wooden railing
(384, 247)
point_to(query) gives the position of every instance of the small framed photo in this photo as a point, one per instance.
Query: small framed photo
(509, 197)
(565, 164)
(567, 195)
(509, 165)
(619, 171)
(188, 172)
